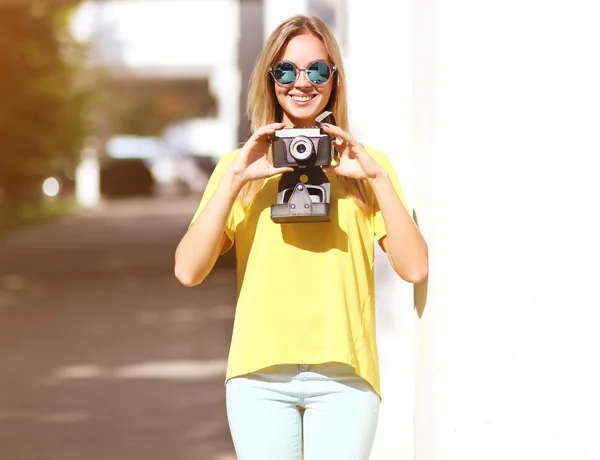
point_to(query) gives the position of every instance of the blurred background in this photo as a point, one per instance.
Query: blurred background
(114, 113)
(112, 117)
(108, 99)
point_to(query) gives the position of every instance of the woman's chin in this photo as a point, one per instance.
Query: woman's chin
(303, 118)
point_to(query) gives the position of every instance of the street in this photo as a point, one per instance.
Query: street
(103, 354)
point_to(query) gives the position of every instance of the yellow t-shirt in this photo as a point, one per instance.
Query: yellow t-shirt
(305, 291)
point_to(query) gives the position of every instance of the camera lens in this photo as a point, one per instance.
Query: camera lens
(301, 148)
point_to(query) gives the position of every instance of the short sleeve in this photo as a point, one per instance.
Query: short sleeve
(211, 186)
(378, 223)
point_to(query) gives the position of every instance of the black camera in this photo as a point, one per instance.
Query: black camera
(301, 147)
(304, 193)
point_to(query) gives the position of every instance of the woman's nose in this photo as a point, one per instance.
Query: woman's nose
(302, 81)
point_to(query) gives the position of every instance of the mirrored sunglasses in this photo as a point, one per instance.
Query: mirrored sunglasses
(318, 72)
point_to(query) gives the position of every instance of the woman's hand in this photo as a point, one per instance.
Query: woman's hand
(252, 161)
(355, 162)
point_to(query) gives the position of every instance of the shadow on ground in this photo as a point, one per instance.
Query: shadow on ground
(103, 355)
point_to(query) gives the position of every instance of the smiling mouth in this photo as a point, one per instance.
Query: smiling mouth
(302, 98)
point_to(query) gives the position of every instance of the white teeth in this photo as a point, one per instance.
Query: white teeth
(302, 98)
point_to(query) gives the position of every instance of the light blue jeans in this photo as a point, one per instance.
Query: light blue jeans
(322, 411)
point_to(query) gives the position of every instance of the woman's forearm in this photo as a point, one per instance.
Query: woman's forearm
(199, 248)
(405, 246)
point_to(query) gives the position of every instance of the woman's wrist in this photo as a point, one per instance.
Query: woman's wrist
(377, 177)
(233, 180)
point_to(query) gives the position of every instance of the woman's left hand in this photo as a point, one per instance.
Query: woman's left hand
(355, 162)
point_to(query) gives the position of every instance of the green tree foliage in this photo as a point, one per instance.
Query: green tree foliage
(42, 111)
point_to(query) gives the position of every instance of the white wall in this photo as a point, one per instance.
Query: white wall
(378, 62)
(277, 11)
(507, 117)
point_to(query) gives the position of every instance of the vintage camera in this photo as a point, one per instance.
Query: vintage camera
(304, 193)
(301, 147)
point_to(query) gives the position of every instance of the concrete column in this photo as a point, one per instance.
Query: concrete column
(276, 11)
(225, 80)
(507, 114)
(378, 62)
(249, 48)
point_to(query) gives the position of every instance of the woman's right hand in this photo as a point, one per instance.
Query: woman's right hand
(252, 162)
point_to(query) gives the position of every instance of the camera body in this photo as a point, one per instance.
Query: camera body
(304, 193)
(301, 147)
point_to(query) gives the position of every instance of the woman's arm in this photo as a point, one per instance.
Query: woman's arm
(201, 245)
(404, 245)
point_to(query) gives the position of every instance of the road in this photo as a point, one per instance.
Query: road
(103, 354)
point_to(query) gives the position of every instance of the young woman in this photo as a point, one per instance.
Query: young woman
(303, 372)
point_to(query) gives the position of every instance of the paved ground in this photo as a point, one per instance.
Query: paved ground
(103, 355)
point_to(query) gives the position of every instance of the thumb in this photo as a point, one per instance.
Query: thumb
(330, 169)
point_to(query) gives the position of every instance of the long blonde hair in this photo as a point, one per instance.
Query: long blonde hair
(263, 108)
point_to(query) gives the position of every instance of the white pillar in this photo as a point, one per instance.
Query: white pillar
(507, 109)
(277, 11)
(379, 72)
(87, 178)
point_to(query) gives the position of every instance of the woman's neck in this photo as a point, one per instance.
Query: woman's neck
(298, 123)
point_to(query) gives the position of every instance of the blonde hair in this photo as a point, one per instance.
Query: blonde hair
(263, 108)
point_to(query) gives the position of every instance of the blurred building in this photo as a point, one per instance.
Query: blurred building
(183, 77)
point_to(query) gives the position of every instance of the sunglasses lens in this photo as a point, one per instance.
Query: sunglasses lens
(285, 73)
(319, 72)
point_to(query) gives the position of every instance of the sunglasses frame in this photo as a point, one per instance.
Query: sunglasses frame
(332, 70)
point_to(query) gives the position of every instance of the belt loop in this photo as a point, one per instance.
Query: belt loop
(302, 368)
